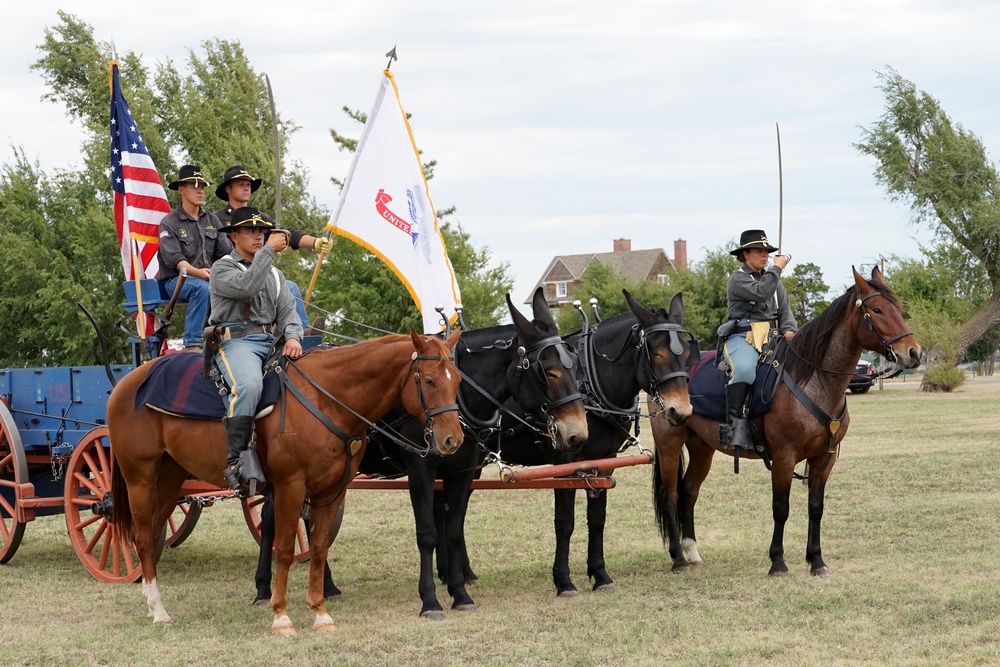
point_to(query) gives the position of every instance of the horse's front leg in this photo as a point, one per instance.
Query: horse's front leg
(597, 517)
(817, 493)
(287, 507)
(781, 485)
(321, 521)
(564, 520)
(700, 457)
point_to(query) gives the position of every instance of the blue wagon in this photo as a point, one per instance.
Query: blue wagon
(56, 457)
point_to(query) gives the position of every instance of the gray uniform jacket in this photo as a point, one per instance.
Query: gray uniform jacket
(184, 238)
(235, 281)
(760, 297)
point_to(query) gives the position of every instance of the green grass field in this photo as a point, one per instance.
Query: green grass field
(909, 533)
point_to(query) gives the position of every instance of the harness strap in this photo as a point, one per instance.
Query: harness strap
(832, 425)
(286, 382)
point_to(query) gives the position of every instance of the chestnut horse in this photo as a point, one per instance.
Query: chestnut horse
(807, 421)
(307, 451)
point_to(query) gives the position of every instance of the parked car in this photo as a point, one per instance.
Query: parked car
(863, 378)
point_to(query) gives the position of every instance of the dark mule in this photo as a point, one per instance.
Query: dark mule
(526, 361)
(308, 451)
(819, 362)
(644, 350)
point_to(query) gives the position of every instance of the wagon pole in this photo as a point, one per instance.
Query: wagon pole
(391, 55)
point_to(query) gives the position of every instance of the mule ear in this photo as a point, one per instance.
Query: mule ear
(520, 321)
(677, 308)
(643, 314)
(453, 337)
(540, 307)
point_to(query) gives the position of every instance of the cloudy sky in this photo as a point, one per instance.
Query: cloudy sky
(559, 126)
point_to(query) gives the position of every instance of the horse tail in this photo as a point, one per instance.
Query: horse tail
(661, 497)
(121, 510)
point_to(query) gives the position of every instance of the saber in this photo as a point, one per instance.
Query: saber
(277, 154)
(781, 190)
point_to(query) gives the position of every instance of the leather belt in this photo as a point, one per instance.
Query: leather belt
(241, 330)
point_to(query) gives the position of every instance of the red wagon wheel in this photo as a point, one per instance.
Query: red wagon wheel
(107, 554)
(13, 471)
(251, 512)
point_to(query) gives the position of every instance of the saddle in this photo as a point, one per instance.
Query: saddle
(708, 384)
(175, 385)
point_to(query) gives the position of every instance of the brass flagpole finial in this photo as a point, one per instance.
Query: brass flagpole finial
(391, 55)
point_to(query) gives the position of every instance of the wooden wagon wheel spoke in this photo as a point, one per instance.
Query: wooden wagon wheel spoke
(106, 553)
(181, 523)
(13, 472)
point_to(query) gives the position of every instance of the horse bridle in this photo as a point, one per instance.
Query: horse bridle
(429, 415)
(887, 350)
(676, 346)
(675, 331)
(539, 382)
(413, 370)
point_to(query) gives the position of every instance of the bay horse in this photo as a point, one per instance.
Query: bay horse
(309, 445)
(807, 421)
(525, 361)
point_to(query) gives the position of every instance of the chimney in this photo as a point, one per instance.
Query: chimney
(680, 254)
(623, 245)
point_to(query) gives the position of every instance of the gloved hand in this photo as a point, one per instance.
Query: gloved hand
(322, 245)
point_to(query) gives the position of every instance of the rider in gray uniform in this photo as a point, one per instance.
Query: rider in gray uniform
(252, 305)
(758, 304)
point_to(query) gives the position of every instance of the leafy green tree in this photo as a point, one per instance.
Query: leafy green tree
(806, 291)
(59, 249)
(942, 171)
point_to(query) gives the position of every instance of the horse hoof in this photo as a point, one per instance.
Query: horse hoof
(472, 581)
(681, 569)
(258, 601)
(610, 586)
(778, 573)
(283, 631)
(823, 571)
(572, 593)
(326, 627)
(432, 615)
(465, 607)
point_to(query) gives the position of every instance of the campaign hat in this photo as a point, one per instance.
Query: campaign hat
(190, 173)
(753, 238)
(246, 217)
(234, 173)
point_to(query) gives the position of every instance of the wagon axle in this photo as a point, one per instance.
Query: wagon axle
(104, 507)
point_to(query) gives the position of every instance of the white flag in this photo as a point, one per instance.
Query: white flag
(385, 206)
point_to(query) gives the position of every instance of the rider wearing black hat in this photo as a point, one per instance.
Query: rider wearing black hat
(758, 304)
(236, 187)
(253, 311)
(190, 240)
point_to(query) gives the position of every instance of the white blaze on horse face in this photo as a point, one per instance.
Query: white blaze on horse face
(447, 374)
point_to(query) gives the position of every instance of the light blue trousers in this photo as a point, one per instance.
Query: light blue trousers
(241, 362)
(742, 357)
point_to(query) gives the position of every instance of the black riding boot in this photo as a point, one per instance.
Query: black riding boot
(738, 431)
(243, 469)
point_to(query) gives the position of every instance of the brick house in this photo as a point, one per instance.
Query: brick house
(565, 272)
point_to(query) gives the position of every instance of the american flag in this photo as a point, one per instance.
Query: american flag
(140, 200)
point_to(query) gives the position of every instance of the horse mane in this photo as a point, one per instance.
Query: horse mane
(813, 339)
